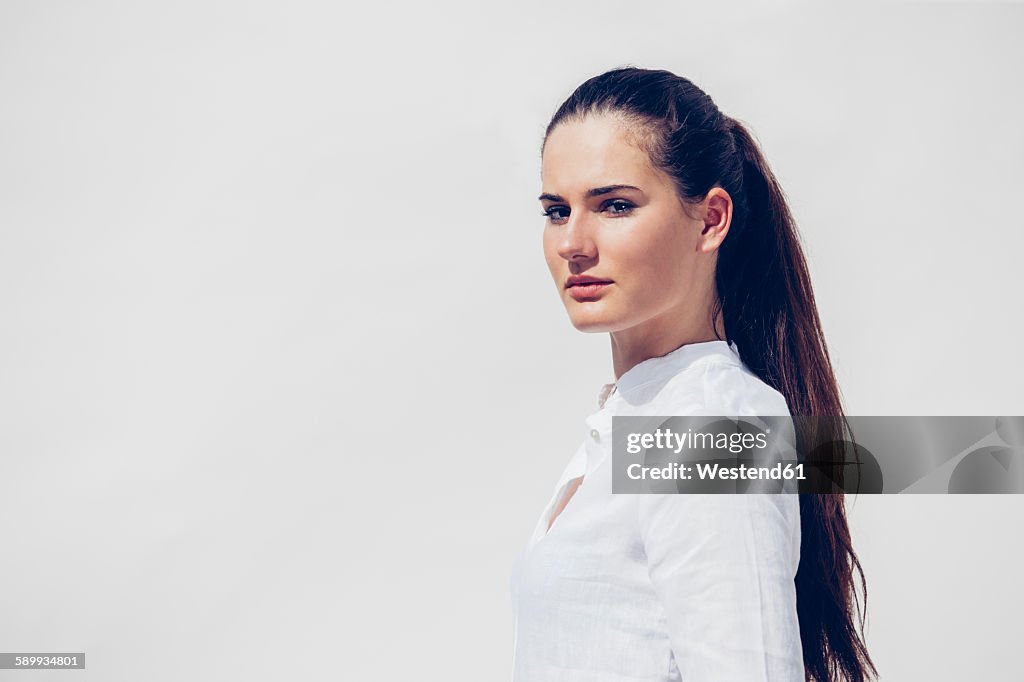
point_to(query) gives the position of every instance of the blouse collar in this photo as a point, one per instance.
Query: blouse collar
(665, 366)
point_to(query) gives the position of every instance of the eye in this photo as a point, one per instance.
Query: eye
(621, 206)
(553, 213)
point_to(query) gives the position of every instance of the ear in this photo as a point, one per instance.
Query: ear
(717, 212)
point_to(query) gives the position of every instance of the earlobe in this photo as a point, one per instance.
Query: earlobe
(711, 239)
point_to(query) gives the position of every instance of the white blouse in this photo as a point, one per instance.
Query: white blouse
(661, 587)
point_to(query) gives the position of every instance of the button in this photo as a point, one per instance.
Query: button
(596, 435)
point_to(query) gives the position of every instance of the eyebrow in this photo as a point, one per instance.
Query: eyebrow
(596, 192)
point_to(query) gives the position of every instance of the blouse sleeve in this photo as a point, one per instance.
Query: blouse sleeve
(723, 568)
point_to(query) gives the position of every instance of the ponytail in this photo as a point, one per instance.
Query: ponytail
(767, 303)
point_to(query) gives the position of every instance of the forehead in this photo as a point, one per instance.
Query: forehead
(594, 152)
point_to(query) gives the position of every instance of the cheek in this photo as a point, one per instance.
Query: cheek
(658, 278)
(672, 266)
(655, 261)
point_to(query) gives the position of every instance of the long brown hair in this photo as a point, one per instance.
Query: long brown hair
(767, 305)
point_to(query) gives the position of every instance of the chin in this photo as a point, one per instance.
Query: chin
(592, 323)
(592, 328)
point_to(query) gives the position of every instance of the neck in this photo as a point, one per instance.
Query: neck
(632, 346)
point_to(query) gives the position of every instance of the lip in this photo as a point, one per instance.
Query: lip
(577, 280)
(586, 287)
(587, 292)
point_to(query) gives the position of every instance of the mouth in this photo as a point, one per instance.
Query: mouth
(589, 290)
(582, 280)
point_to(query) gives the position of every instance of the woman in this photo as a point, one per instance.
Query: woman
(666, 228)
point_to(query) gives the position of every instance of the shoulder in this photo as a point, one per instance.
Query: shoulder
(724, 386)
(757, 531)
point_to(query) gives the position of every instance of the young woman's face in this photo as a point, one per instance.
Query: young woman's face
(614, 218)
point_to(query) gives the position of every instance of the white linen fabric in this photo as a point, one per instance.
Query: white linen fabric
(661, 587)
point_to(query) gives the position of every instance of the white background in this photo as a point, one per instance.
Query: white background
(285, 382)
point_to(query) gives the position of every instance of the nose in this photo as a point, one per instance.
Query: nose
(577, 240)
